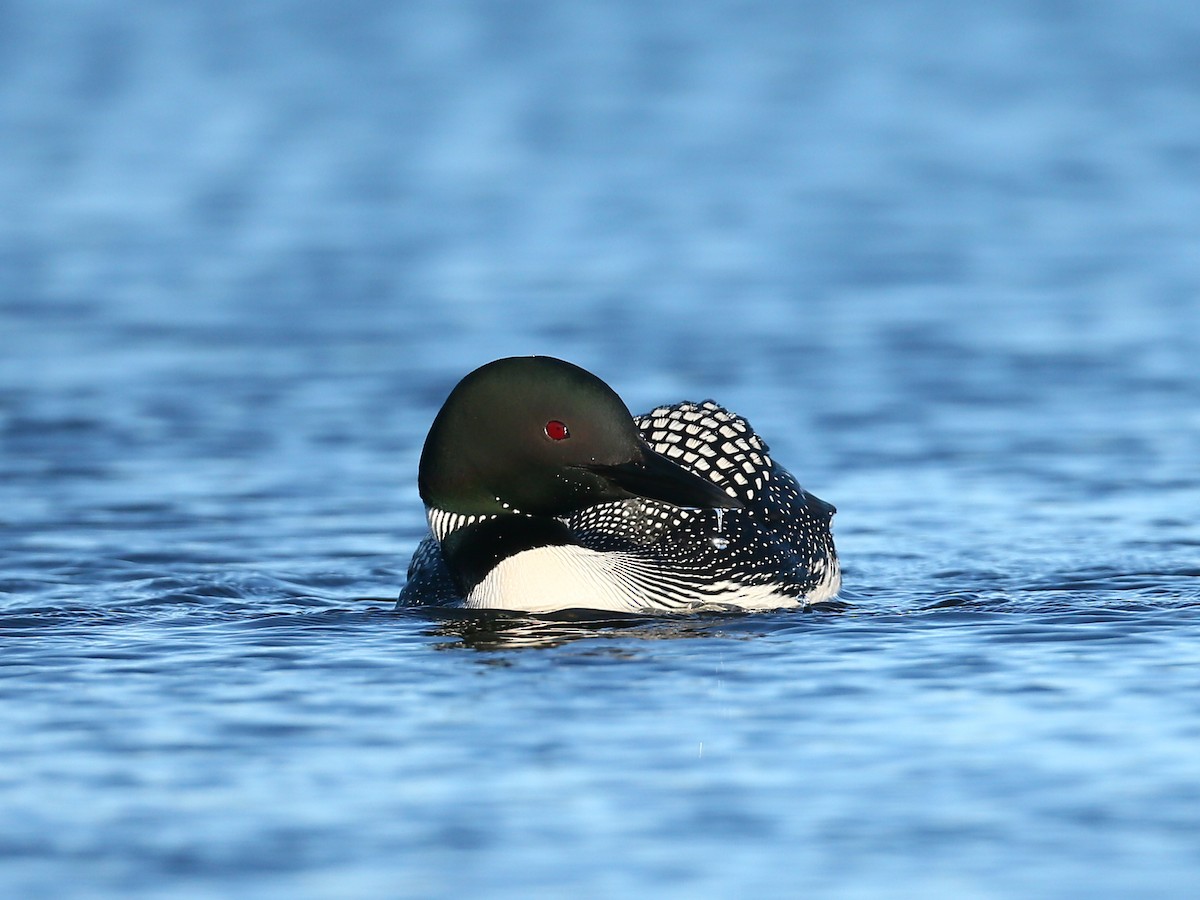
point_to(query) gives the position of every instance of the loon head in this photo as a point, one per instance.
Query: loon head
(542, 437)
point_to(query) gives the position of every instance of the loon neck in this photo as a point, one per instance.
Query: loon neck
(473, 549)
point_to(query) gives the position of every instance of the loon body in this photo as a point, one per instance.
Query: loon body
(544, 493)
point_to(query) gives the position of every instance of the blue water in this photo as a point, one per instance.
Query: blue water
(945, 258)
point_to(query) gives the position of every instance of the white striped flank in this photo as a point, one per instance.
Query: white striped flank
(830, 583)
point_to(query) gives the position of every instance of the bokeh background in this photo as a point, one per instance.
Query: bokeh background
(944, 256)
(723, 187)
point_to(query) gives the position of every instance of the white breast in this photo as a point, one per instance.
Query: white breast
(546, 579)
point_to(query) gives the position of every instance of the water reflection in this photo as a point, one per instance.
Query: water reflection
(490, 630)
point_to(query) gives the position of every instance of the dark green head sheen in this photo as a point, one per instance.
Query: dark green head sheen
(541, 436)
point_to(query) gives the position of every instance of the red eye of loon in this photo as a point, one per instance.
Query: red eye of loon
(557, 431)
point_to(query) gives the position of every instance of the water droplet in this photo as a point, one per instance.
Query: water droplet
(719, 542)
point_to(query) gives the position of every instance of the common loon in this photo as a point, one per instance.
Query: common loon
(544, 493)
